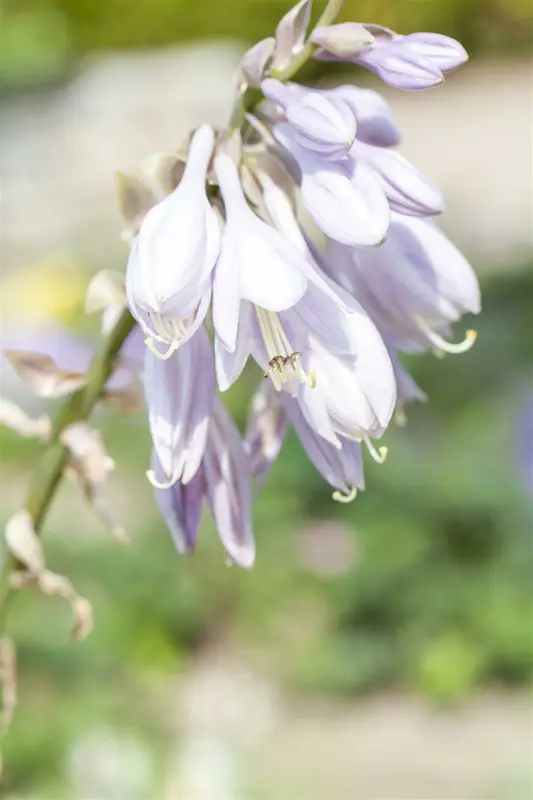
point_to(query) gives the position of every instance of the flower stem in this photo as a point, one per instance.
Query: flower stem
(251, 96)
(49, 471)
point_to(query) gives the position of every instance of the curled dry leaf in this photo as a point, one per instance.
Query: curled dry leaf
(135, 198)
(90, 465)
(87, 452)
(25, 545)
(42, 375)
(11, 416)
(8, 680)
(52, 584)
(290, 33)
(163, 172)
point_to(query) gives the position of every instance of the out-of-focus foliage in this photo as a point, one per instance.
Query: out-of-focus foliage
(429, 571)
(40, 38)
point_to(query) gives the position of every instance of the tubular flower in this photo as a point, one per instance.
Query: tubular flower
(169, 269)
(237, 235)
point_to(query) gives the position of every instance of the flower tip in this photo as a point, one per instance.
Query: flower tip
(243, 557)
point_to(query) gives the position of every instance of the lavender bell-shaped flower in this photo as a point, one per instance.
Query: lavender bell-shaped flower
(168, 279)
(342, 467)
(271, 415)
(179, 397)
(256, 263)
(326, 339)
(224, 478)
(414, 286)
(345, 199)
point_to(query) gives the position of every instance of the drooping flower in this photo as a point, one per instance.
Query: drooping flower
(224, 478)
(415, 285)
(415, 61)
(256, 263)
(345, 198)
(168, 279)
(179, 397)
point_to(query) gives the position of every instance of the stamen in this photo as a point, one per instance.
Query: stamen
(443, 344)
(349, 497)
(283, 365)
(150, 474)
(379, 455)
(173, 346)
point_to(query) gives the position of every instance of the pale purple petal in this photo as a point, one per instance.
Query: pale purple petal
(443, 51)
(256, 263)
(228, 485)
(179, 397)
(341, 467)
(408, 190)
(266, 430)
(180, 506)
(397, 64)
(350, 209)
(375, 122)
(229, 365)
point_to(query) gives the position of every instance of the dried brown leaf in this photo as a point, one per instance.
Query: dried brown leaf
(13, 417)
(42, 375)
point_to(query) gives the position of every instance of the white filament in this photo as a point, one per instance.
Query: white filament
(340, 497)
(284, 363)
(445, 346)
(380, 455)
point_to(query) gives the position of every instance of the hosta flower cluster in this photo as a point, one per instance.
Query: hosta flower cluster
(302, 240)
(299, 239)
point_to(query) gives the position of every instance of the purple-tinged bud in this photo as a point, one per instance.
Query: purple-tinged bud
(401, 66)
(344, 40)
(325, 125)
(443, 51)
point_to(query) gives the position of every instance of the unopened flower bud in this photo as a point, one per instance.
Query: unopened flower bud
(345, 39)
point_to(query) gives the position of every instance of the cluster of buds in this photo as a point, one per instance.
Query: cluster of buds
(298, 237)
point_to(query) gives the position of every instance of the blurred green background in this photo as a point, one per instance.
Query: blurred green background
(422, 587)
